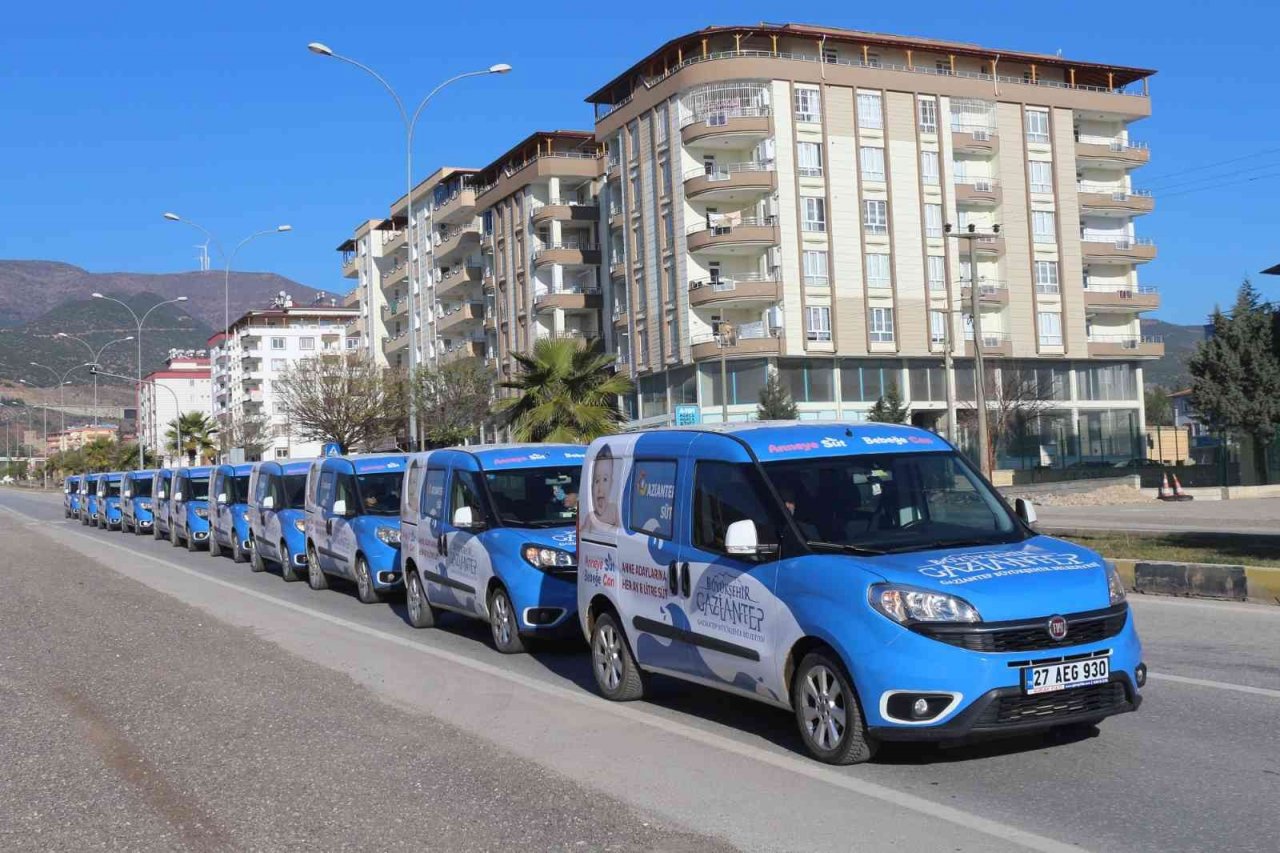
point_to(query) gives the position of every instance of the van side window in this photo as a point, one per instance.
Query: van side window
(412, 488)
(653, 497)
(325, 489)
(433, 493)
(466, 492)
(346, 492)
(263, 488)
(725, 492)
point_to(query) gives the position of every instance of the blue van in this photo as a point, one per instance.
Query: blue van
(229, 520)
(490, 531)
(161, 489)
(89, 499)
(109, 500)
(353, 523)
(189, 507)
(71, 497)
(135, 502)
(865, 577)
(277, 516)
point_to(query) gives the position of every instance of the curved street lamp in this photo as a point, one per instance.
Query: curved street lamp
(94, 357)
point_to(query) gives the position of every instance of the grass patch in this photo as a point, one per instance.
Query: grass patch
(1229, 548)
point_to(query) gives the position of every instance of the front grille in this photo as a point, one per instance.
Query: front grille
(1029, 635)
(1098, 699)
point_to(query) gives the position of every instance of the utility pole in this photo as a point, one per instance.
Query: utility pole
(971, 235)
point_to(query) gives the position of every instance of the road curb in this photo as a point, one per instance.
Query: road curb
(1260, 584)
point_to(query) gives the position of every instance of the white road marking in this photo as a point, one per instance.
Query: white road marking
(1217, 685)
(802, 767)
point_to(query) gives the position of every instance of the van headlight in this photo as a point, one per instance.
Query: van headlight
(146, 505)
(388, 535)
(547, 558)
(905, 604)
(201, 511)
(300, 525)
(244, 515)
(1115, 586)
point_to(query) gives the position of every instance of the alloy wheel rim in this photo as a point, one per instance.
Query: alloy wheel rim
(502, 620)
(608, 657)
(415, 604)
(825, 708)
(362, 577)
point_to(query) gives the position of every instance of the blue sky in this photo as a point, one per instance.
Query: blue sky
(111, 114)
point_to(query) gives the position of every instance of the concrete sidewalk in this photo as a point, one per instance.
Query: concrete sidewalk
(1253, 516)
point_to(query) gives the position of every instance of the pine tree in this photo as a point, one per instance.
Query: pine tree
(889, 409)
(775, 401)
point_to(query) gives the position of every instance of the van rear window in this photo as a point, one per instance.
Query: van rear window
(653, 497)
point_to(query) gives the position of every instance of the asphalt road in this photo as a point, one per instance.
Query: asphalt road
(156, 699)
(1247, 515)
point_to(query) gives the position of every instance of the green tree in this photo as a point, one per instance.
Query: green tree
(98, 455)
(452, 400)
(566, 390)
(199, 436)
(1158, 406)
(775, 401)
(1235, 383)
(344, 399)
(889, 409)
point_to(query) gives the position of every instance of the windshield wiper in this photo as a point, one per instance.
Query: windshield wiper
(544, 522)
(847, 549)
(943, 543)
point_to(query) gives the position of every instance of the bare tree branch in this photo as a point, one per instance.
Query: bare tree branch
(344, 399)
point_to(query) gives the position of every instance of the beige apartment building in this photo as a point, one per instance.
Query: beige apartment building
(778, 196)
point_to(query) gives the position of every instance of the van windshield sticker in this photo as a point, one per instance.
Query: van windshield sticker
(653, 498)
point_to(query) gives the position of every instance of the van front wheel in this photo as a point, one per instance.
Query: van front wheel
(617, 675)
(504, 624)
(365, 590)
(827, 712)
(420, 613)
(316, 578)
(288, 571)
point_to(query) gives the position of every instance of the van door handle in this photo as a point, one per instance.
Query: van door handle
(684, 579)
(444, 545)
(328, 525)
(673, 583)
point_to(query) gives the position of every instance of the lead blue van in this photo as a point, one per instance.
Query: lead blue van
(865, 577)
(109, 516)
(189, 507)
(161, 489)
(491, 532)
(353, 523)
(277, 516)
(229, 518)
(71, 496)
(89, 499)
(135, 502)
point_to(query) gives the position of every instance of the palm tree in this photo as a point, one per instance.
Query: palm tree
(567, 391)
(99, 454)
(199, 436)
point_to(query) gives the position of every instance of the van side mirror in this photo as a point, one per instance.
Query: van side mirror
(464, 519)
(222, 497)
(339, 507)
(742, 538)
(1026, 511)
(269, 502)
(177, 496)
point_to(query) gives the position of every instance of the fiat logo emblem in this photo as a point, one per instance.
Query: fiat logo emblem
(1057, 628)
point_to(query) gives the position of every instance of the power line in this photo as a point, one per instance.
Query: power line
(1231, 173)
(1178, 172)
(1227, 184)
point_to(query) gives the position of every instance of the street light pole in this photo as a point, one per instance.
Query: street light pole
(96, 356)
(44, 424)
(979, 375)
(410, 123)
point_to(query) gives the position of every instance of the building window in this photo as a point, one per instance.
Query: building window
(1046, 276)
(1042, 228)
(808, 104)
(870, 116)
(277, 343)
(878, 270)
(1037, 125)
(1041, 176)
(937, 327)
(875, 216)
(882, 325)
(815, 267)
(928, 109)
(817, 323)
(660, 125)
(809, 380)
(929, 167)
(633, 138)
(279, 364)
(671, 285)
(665, 168)
(933, 220)
(282, 453)
(872, 163)
(668, 230)
(815, 214)
(937, 272)
(809, 160)
(1050, 325)
(306, 343)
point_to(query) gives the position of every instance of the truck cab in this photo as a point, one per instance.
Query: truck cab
(109, 513)
(277, 516)
(189, 507)
(71, 496)
(135, 502)
(490, 532)
(353, 523)
(229, 519)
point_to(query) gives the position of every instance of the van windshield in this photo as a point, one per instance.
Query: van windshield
(536, 497)
(237, 489)
(892, 503)
(294, 491)
(197, 489)
(380, 493)
(141, 487)
(93, 488)
(111, 490)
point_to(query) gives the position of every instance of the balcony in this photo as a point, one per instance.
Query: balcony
(565, 210)
(394, 241)
(561, 164)
(733, 182)
(978, 192)
(398, 273)
(457, 240)
(993, 343)
(1102, 199)
(457, 208)
(751, 339)
(618, 269)
(1113, 153)
(466, 315)
(736, 127)
(746, 236)
(350, 265)
(991, 245)
(394, 308)
(464, 350)
(571, 253)
(1114, 298)
(457, 278)
(752, 287)
(966, 139)
(1125, 346)
(1112, 250)
(568, 300)
(397, 343)
(989, 292)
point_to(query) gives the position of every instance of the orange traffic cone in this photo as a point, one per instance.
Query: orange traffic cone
(1164, 487)
(1178, 494)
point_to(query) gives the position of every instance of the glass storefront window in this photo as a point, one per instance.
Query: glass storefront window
(745, 379)
(808, 380)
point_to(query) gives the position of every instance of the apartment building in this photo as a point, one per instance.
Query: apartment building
(181, 386)
(376, 257)
(778, 196)
(76, 437)
(541, 249)
(262, 345)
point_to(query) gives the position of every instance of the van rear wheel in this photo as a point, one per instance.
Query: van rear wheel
(421, 614)
(827, 711)
(618, 677)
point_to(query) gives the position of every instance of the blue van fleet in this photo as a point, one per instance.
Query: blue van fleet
(161, 489)
(109, 500)
(229, 518)
(89, 499)
(135, 502)
(865, 577)
(189, 507)
(490, 531)
(353, 523)
(277, 516)
(71, 496)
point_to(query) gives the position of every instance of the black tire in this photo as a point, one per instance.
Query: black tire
(215, 547)
(155, 530)
(828, 713)
(365, 590)
(124, 526)
(256, 561)
(288, 570)
(237, 552)
(617, 675)
(504, 624)
(316, 578)
(193, 544)
(174, 539)
(421, 613)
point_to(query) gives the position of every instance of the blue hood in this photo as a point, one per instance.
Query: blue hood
(1039, 576)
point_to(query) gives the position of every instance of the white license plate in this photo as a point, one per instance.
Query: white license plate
(1063, 676)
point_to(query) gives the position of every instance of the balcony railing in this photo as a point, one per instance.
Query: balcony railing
(511, 169)
(722, 171)
(1125, 290)
(1116, 193)
(576, 245)
(980, 132)
(1118, 242)
(721, 116)
(1117, 145)
(721, 227)
(1125, 341)
(729, 283)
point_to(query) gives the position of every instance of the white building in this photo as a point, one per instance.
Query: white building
(262, 346)
(183, 387)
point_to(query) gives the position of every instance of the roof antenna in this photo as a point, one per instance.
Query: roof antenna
(848, 432)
